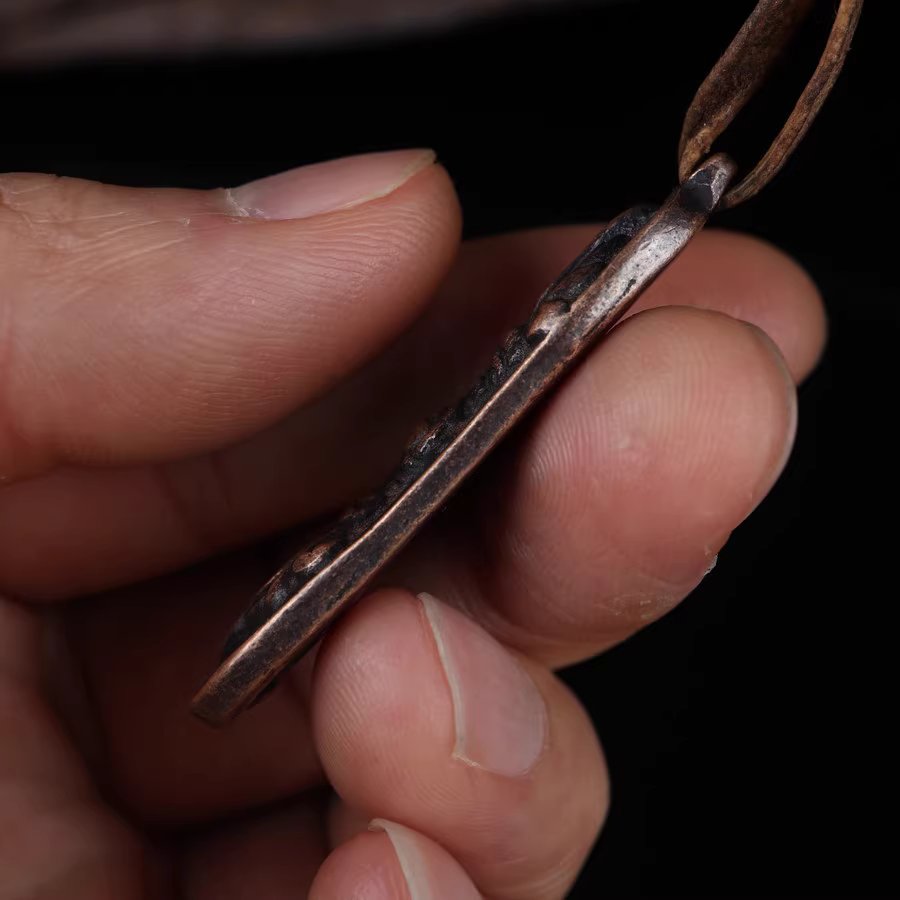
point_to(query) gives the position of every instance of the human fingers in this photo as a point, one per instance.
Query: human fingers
(392, 862)
(421, 717)
(108, 526)
(623, 490)
(141, 325)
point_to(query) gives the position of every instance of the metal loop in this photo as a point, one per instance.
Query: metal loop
(740, 72)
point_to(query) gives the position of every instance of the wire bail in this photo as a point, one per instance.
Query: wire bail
(738, 75)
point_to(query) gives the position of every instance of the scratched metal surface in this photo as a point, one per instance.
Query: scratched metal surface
(437, 435)
(304, 598)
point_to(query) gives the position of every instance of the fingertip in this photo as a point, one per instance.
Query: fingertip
(392, 862)
(379, 654)
(801, 332)
(753, 280)
(786, 429)
(636, 474)
(397, 698)
(365, 866)
(706, 434)
(428, 870)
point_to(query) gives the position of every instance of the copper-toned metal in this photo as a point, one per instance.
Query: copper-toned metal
(302, 600)
(739, 73)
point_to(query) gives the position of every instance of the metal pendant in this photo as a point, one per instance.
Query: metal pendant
(304, 598)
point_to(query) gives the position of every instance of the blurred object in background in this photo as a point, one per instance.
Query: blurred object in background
(46, 31)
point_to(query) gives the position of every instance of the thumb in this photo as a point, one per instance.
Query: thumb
(139, 325)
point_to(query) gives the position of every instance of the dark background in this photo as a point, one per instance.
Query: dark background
(750, 735)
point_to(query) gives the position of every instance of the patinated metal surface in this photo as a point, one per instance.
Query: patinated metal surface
(301, 600)
(738, 75)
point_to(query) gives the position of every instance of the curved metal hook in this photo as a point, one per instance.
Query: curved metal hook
(740, 72)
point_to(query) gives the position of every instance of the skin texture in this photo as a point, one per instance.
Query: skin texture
(182, 379)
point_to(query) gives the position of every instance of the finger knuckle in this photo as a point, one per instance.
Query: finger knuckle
(37, 209)
(51, 226)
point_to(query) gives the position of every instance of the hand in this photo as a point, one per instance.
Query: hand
(185, 373)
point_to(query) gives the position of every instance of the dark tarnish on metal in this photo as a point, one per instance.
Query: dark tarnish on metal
(740, 72)
(301, 601)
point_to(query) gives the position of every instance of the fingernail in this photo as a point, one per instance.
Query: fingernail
(327, 187)
(499, 715)
(415, 869)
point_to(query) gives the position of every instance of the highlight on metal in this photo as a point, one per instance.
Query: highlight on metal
(304, 598)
